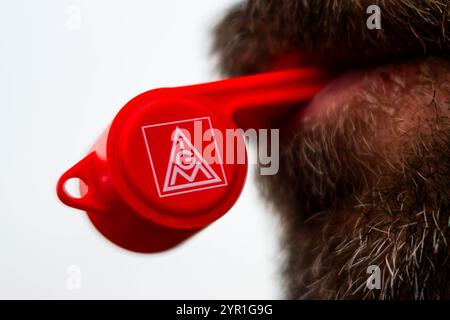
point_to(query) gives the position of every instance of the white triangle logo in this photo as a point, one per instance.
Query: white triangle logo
(187, 168)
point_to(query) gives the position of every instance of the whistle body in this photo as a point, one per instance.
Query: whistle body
(161, 171)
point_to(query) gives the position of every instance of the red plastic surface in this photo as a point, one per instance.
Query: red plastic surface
(147, 187)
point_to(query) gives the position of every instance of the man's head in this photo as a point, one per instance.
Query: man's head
(365, 170)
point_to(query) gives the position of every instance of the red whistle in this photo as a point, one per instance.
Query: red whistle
(146, 185)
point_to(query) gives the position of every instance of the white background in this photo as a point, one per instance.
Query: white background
(60, 85)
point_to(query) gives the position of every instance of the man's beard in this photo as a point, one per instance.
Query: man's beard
(368, 183)
(331, 33)
(366, 180)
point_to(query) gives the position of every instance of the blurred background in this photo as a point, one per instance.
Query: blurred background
(66, 68)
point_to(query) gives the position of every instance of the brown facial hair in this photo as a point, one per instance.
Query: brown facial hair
(365, 180)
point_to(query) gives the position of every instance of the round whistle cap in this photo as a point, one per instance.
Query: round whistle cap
(171, 155)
